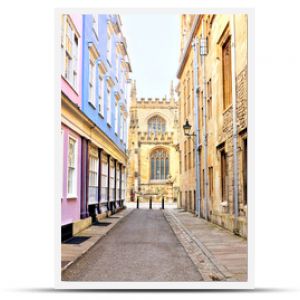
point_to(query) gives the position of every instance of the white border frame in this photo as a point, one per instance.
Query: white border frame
(159, 285)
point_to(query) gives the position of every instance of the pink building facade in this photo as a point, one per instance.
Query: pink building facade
(70, 200)
(71, 56)
(71, 76)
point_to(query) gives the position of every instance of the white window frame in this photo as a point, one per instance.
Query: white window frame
(116, 117)
(111, 179)
(108, 108)
(117, 66)
(123, 184)
(95, 25)
(75, 64)
(118, 182)
(121, 126)
(101, 94)
(70, 70)
(125, 132)
(104, 177)
(93, 161)
(109, 47)
(68, 66)
(73, 193)
(122, 80)
(93, 174)
(92, 85)
(124, 129)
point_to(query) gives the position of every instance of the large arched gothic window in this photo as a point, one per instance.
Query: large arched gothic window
(156, 125)
(159, 164)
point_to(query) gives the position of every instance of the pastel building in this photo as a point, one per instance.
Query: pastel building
(95, 76)
(71, 61)
(105, 77)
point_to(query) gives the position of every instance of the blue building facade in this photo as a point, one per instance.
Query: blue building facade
(105, 76)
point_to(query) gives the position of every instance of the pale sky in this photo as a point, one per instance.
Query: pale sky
(153, 42)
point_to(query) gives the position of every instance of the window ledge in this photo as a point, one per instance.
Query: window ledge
(92, 105)
(96, 34)
(69, 83)
(159, 181)
(227, 108)
(101, 115)
(71, 197)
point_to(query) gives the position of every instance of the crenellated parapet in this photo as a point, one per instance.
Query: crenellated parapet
(159, 138)
(155, 103)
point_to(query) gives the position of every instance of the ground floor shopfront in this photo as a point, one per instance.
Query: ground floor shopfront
(93, 172)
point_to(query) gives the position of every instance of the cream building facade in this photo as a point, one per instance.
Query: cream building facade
(221, 93)
(153, 169)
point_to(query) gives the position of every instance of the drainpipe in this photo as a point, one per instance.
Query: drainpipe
(197, 130)
(234, 124)
(203, 53)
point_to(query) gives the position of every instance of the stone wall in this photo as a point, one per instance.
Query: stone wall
(141, 144)
(219, 126)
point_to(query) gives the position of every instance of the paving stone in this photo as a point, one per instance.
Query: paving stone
(224, 255)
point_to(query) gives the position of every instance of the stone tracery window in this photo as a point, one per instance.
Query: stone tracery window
(159, 164)
(156, 125)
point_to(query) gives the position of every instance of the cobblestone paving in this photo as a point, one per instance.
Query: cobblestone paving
(142, 247)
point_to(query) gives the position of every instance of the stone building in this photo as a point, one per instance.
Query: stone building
(219, 94)
(153, 148)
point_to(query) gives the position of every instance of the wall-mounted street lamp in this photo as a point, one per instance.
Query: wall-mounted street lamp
(187, 129)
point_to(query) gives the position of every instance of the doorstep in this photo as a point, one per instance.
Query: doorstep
(72, 252)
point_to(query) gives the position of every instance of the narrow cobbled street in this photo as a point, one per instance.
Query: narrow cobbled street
(142, 247)
(154, 168)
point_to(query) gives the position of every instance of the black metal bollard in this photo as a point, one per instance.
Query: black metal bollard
(150, 203)
(163, 203)
(138, 202)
